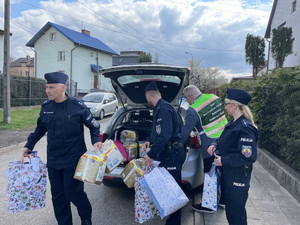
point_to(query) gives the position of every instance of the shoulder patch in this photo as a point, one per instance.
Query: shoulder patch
(95, 123)
(247, 150)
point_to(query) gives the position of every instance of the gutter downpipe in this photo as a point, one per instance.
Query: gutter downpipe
(35, 61)
(71, 71)
(268, 40)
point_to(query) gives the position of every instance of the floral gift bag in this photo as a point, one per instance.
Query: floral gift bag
(26, 187)
(143, 205)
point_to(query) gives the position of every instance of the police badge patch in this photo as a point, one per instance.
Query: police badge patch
(95, 123)
(158, 129)
(246, 150)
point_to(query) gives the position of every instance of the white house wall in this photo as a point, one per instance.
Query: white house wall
(283, 13)
(82, 73)
(47, 53)
(47, 61)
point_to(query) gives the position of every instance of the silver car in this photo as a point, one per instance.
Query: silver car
(129, 82)
(101, 103)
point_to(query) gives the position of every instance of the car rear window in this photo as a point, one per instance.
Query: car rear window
(97, 98)
(128, 79)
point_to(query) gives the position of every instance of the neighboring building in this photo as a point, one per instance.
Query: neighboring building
(126, 57)
(285, 13)
(2, 50)
(22, 67)
(58, 48)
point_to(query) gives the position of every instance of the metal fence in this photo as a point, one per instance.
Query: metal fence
(27, 91)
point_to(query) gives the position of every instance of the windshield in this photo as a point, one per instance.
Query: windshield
(97, 98)
(127, 79)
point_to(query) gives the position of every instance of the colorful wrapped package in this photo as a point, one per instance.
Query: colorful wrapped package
(144, 207)
(135, 168)
(26, 187)
(122, 150)
(166, 194)
(143, 151)
(211, 189)
(90, 168)
(112, 155)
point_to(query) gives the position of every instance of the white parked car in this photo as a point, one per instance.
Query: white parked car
(101, 103)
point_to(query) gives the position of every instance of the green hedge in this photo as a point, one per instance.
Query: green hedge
(24, 91)
(276, 109)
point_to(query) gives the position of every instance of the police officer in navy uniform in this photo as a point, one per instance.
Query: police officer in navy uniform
(165, 141)
(235, 153)
(63, 117)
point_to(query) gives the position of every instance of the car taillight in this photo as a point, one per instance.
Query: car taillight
(109, 178)
(101, 137)
(184, 182)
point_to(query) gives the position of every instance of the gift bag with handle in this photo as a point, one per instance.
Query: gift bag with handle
(165, 192)
(27, 184)
(211, 189)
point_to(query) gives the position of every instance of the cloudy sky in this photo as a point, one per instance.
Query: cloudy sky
(211, 30)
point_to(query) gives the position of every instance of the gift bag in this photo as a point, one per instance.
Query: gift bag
(211, 189)
(165, 192)
(144, 207)
(26, 189)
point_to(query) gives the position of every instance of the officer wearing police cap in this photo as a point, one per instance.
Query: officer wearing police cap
(165, 139)
(235, 153)
(63, 117)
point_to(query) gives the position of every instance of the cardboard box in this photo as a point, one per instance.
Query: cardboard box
(131, 149)
(135, 168)
(111, 154)
(90, 168)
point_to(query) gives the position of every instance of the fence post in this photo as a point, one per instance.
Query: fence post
(29, 91)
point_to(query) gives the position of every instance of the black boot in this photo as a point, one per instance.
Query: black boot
(86, 222)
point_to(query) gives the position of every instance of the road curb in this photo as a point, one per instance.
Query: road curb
(9, 148)
(287, 177)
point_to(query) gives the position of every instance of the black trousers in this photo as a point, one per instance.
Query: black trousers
(65, 189)
(235, 197)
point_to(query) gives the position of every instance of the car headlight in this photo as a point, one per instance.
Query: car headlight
(94, 109)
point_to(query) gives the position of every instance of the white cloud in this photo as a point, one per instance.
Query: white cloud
(214, 31)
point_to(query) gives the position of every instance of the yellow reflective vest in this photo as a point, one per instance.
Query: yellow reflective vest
(211, 113)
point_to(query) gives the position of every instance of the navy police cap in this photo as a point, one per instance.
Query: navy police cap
(151, 87)
(56, 77)
(238, 95)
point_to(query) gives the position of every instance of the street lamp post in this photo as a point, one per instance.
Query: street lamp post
(191, 64)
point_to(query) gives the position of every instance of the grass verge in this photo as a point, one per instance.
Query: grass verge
(21, 118)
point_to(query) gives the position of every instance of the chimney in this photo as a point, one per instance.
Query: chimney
(84, 31)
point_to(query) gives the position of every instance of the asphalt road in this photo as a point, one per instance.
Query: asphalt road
(112, 205)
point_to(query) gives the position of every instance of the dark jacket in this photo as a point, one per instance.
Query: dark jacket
(64, 123)
(165, 130)
(237, 144)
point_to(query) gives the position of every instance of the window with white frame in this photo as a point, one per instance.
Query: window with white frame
(61, 56)
(52, 36)
(294, 5)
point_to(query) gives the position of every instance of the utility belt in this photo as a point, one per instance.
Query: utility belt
(174, 146)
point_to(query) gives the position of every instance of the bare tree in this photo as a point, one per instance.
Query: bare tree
(206, 78)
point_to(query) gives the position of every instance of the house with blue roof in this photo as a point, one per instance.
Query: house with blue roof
(77, 54)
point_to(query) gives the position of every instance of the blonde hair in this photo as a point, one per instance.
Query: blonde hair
(245, 109)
